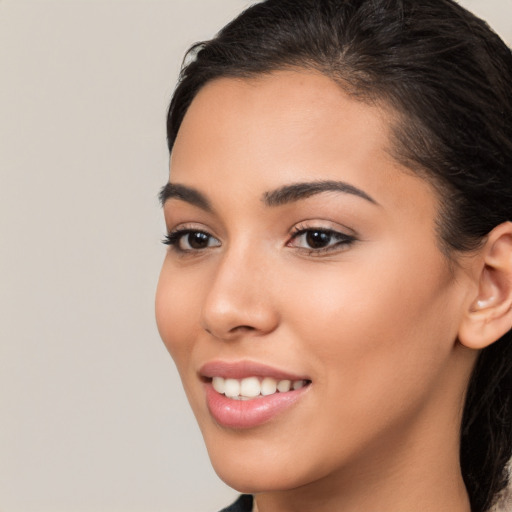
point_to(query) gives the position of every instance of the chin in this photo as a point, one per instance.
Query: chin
(256, 478)
(250, 468)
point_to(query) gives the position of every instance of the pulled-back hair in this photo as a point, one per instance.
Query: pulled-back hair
(447, 77)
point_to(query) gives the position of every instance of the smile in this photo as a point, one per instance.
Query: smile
(254, 387)
(246, 394)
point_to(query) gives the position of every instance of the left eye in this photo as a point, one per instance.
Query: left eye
(318, 239)
(191, 240)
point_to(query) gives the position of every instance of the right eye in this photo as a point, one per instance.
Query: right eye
(189, 240)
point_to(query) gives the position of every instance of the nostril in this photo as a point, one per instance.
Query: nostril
(233, 333)
(242, 328)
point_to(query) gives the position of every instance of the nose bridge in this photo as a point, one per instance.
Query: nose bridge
(239, 299)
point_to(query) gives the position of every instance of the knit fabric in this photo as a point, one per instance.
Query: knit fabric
(242, 504)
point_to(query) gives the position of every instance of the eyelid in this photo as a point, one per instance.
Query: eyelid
(191, 226)
(176, 234)
(344, 239)
(323, 225)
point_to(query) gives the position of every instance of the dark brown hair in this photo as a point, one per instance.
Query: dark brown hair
(448, 76)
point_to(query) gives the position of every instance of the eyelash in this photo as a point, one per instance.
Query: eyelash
(174, 238)
(343, 240)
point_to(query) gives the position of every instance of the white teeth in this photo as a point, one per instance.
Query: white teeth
(252, 387)
(284, 385)
(231, 387)
(218, 384)
(268, 386)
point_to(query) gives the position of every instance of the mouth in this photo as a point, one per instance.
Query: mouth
(254, 387)
(243, 395)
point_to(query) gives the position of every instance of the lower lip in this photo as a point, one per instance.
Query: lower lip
(242, 414)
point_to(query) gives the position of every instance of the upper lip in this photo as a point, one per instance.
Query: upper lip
(245, 368)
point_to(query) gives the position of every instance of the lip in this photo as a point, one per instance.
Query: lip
(246, 414)
(243, 369)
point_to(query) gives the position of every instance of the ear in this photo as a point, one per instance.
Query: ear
(489, 315)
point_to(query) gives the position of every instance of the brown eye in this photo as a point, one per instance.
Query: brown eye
(318, 239)
(189, 240)
(196, 240)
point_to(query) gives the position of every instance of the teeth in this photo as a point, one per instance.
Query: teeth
(284, 385)
(218, 384)
(231, 387)
(268, 386)
(252, 387)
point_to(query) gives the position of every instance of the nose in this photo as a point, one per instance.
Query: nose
(239, 301)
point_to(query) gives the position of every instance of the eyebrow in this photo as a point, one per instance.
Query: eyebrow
(298, 191)
(278, 197)
(184, 193)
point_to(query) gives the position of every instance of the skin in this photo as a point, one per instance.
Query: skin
(373, 323)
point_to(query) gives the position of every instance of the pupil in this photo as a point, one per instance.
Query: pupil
(198, 240)
(318, 239)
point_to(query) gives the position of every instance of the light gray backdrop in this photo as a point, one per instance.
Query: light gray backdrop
(92, 415)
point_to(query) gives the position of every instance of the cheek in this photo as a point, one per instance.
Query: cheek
(176, 310)
(375, 326)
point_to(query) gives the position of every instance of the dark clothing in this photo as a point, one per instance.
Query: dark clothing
(242, 504)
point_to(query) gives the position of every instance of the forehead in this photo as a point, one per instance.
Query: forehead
(279, 114)
(260, 133)
(289, 102)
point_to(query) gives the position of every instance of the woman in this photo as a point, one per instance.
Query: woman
(337, 294)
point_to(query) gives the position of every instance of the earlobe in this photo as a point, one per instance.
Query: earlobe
(489, 315)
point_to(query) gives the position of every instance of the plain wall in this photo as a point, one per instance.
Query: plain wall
(92, 414)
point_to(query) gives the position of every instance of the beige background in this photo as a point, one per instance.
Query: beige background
(92, 416)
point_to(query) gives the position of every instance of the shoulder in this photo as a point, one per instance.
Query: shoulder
(242, 504)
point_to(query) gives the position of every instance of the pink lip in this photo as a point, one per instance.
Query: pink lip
(243, 369)
(244, 414)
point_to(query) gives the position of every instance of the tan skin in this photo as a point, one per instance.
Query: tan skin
(386, 329)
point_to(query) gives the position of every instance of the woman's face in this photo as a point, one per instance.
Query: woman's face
(301, 251)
